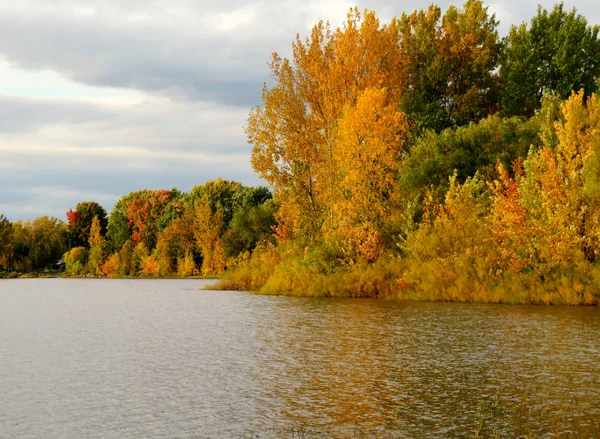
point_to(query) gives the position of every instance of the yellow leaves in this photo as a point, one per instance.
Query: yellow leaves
(579, 132)
(186, 266)
(208, 229)
(95, 237)
(296, 135)
(544, 219)
(111, 267)
(371, 136)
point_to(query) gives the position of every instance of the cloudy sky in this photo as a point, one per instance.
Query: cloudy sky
(100, 98)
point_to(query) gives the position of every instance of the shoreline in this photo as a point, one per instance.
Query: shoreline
(224, 284)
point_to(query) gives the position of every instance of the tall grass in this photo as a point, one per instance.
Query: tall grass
(453, 279)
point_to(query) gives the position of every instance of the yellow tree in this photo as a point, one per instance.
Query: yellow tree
(550, 216)
(97, 243)
(208, 230)
(368, 148)
(175, 242)
(295, 134)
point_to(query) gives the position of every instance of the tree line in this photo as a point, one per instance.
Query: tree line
(148, 233)
(426, 157)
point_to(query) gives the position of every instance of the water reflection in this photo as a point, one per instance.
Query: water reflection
(142, 359)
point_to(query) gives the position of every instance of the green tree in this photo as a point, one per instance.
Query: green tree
(76, 259)
(558, 51)
(249, 226)
(466, 150)
(449, 65)
(119, 230)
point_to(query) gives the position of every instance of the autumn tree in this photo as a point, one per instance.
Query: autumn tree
(6, 233)
(558, 51)
(295, 134)
(370, 140)
(448, 64)
(76, 260)
(80, 222)
(38, 243)
(550, 216)
(176, 242)
(209, 227)
(125, 261)
(144, 208)
(97, 243)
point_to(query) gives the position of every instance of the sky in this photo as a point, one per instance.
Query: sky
(99, 98)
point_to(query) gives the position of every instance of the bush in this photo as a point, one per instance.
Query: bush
(76, 260)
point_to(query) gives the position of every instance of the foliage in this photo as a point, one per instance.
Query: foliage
(97, 243)
(80, 222)
(295, 136)
(467, 150)
(558, 51)
(186, 265)
(448, 64)
(112, 266)
(546, 219)
(76, 260)
(6, 233)
(394, 169)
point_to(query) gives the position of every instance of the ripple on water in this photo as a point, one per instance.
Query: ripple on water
(161, 358)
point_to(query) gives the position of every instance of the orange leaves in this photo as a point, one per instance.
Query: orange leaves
(370, 139)
(142, 213)
(310, 141)
(544, 219)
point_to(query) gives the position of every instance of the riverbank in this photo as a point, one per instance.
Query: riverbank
(54, 274)
(451, 280)
(395, 279)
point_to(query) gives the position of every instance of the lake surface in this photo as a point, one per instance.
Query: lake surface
(164, 359)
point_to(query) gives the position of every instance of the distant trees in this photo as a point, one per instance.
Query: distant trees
(6, 245)
(420, 158)
(80, 222)
(31, 245)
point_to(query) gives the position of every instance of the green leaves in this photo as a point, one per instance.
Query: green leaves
(558, 51)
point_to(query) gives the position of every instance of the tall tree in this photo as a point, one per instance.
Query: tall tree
(295, 134)
(558, 51)
(6, 232)
(97, 244)
(449, 64)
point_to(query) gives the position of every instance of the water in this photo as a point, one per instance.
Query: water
(163, 359)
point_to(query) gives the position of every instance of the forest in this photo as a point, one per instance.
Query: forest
(424, 158)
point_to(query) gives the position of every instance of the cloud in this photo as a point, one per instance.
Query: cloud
(89, 148)
(215, 51)
(100, 98)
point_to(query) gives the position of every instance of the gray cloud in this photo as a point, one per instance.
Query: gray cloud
(55, 153)
(202, 50)
(202, 65)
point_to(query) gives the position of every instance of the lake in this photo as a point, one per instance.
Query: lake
(87, 358)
